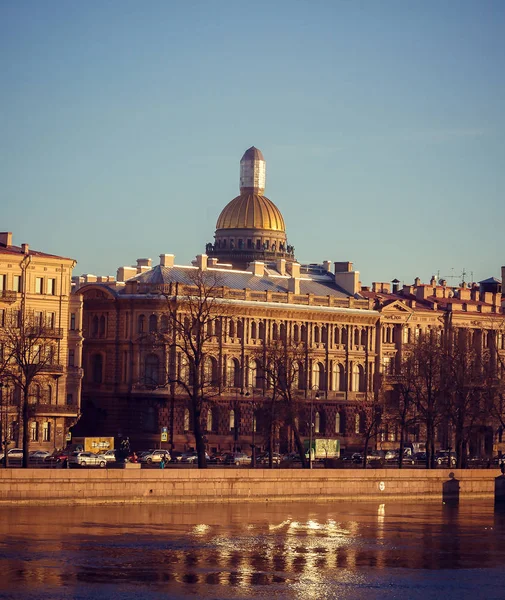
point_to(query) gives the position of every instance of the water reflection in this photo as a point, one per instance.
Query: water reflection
(241, 551)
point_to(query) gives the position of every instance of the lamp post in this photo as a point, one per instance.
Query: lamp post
(315, 388)
(248, 395)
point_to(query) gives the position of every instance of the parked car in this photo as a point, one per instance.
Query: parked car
(444, 457)
(58, 457)
(264, 459)
(85, 459)
(175, 456)
(217, 458)
(237, 459)
(154, 456)
(14, 454)
(38, 456)
(110, 455)
(192, 457)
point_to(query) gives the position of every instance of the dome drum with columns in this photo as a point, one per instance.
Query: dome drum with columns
(250, 227)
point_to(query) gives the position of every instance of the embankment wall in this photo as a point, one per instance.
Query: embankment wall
(96, 486)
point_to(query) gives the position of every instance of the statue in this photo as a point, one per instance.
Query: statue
(273, 247)
(209, 248)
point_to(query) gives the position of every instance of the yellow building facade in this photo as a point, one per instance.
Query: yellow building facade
(36, 301)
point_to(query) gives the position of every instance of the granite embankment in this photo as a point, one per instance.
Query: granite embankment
(96, 486)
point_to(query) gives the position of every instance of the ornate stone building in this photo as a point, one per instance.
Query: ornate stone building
(36, 300)
(353, 336)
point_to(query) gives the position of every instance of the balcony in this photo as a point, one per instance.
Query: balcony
(77, 372)
(53, 369)
(55, 333)
(54, 409)
(8, 296)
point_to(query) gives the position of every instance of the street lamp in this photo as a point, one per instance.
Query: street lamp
(248, 394)
(315, 388)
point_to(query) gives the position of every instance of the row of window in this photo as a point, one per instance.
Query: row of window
(43, 285)
(319, 422)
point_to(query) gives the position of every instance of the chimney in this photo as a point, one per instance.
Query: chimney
(327, 265)
(294, 285)
(125, 273)
(281, 266)
(167, 260)
(201, 261)
(6, 238)
(295, 269)
(395, 283)
(257, 268)
(423, 291)
(212, 262)
(25, 248)
(417, 282)
(433, 281)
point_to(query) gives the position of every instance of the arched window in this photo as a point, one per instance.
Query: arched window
(232, 420)
(187, 421)
(153, 323)
(152, 368)
(301, 376)
(357, 423)
(211, 371)
(324, 334)
(275, 331)
(96, 368)
(343, 336)
(49, 393)
(34, 431)
(338, 379)
(210, 328)
(94, 326)
(282, 331)
(304, 333)
(234, 379)
(296, 333)
(240, 329)
(184, 370)
(141, 324)
(337, 423)
(317, 423)
(336, 335)
(102, 326)
(316, 335)
(253, 330)
(210, 420)
(231, 328)
(318, 378)
(356, 336)
(363, 337)
(358, 378)
(164, 324)
(261, 330)
(255, 376)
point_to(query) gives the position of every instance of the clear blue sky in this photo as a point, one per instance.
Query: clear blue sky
(122, 125)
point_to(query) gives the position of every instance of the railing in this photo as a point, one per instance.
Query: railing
(53, 369)
(40, 408)
(45, 332)
(75, 371)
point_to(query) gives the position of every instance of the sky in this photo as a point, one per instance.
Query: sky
(122, 125)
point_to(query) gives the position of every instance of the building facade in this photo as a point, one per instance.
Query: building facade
(353, 338)
(39, 322)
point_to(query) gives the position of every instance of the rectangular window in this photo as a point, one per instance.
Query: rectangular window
(2, 317)
(38, 318)
(51, 320)
(38, 285)
(51, 287)
(71, 358)
(3, 279)
(70, 399)
(46, 432)
(16, 283)
(72, 321)
(34, 431)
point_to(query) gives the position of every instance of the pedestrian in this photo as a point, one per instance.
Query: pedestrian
(502, 467)
(162, 462)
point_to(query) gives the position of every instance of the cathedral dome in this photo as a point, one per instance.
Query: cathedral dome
(251, 211)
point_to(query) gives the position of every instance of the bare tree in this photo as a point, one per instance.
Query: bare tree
(196, 314)
(368, 419)
(283, 365)
(30, 351)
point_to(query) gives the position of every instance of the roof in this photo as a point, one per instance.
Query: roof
(252, 153)
(240, 280)
(18, 250)
(491, 280)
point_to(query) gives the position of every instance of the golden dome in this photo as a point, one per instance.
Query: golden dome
(251, 211)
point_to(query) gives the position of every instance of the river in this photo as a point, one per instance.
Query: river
(289, 551)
